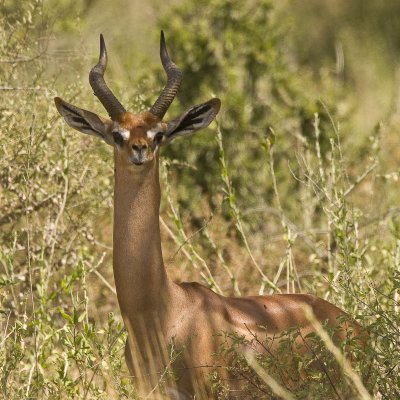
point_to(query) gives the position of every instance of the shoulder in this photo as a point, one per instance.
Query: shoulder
(195, 290)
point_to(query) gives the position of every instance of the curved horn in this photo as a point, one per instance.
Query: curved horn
(174, 79)
(100, 88)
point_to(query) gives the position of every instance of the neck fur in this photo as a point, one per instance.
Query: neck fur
(139, 271)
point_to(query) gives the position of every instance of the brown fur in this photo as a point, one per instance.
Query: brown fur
(157, 311)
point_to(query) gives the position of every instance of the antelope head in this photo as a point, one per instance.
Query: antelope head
(137, 137)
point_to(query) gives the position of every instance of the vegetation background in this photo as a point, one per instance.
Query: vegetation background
(296, 188)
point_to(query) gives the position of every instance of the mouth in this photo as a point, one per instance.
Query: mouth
(137, 162)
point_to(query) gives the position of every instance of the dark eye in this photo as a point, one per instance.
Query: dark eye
(118, 139)
(158, 137)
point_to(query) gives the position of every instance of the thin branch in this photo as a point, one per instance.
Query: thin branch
(341, 359)
(15, 88)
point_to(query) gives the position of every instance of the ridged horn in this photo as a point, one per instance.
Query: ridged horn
(100, 88)
(174, 79)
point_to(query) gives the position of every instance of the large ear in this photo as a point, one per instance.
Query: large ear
(197, 117)
(83, 120)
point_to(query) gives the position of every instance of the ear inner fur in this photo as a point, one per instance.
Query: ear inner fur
(197, 117)
(80, 119)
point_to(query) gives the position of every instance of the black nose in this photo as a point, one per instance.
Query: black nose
(139, 147)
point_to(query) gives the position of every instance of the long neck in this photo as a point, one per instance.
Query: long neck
(139, 271)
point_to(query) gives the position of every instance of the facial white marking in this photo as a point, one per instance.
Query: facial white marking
(153, 132)
(124, 133)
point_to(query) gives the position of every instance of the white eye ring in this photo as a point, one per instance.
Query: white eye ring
(125, 134)
(152, 133)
